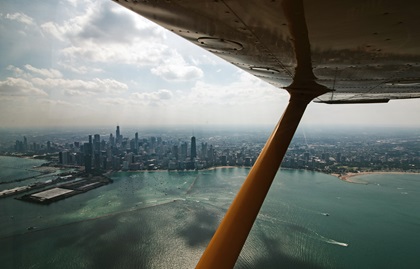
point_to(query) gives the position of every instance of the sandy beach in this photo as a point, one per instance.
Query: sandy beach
(220, 167)
(353, 177)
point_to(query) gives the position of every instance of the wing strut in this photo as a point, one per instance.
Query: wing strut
(226, 244)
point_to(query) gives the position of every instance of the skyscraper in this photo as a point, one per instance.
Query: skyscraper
(203, 154)
(184, 151)
(193, 154)
(87, 153)
(96, 143)
(111, 140)
(136, 143)
(117, 134)
(25, 143)
(97, 151)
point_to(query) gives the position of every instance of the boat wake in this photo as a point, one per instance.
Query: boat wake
(301, 229)
(330, 241)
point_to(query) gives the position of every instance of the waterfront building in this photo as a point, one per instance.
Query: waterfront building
(184, 151)
(203, 153)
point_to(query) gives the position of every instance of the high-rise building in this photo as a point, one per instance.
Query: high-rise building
(64, 157)
(184, 151)
(96, 143)
(97, 151)
(203, 154)
(25, 143)
(175, 152)
(87, 152)
(136, 143)
(118, 135)
(111, 140)
(193, 154)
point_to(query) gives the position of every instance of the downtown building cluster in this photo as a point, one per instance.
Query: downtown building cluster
(23, 146)
(329, 153)
(117, 152)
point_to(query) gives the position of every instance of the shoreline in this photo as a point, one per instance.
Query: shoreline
(352, 177)
(175, 170)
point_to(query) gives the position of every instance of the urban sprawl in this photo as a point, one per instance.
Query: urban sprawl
(328, 154)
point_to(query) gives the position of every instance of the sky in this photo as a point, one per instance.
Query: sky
(89, 63)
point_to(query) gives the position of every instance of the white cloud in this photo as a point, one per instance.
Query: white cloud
(73, 3)
(152, 98)
(140, 54)
(75, 87)
(178, 72)
(49, 73)
(107, 39)
(204, 59)
(17, 72)
(175, 68)
(19, 87)
(54, 29)
(245, 90)
(108, 33)
(20, 17)
(80, 69)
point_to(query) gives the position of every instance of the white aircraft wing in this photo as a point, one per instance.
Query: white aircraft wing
(362, 51)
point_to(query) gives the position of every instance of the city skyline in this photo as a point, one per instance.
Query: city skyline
(92, 63)
(331, 153)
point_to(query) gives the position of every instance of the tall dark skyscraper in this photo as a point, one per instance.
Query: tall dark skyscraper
(111, 140)
(91, 145)
(96, 143)
(97, 151)
(117, 134)
(136, 142)
(25, 143)
(193, 148)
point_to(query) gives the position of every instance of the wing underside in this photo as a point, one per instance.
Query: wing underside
(362, 51)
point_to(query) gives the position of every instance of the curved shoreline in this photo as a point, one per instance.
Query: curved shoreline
(352, 177)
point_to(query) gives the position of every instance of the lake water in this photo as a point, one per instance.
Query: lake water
(165, 220)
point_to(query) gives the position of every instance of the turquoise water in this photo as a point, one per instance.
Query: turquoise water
(165, 220)
(16, 168)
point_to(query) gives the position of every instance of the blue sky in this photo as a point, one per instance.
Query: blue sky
(96, 63)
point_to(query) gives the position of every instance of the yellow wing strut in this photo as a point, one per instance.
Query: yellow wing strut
(226, 244)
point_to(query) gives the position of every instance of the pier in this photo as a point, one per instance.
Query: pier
(66, 190)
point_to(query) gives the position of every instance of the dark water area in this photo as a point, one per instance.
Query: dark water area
(166, 219)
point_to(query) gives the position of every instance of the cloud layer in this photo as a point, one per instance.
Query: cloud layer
(94, 62)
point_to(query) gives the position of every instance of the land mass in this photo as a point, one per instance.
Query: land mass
(352, 177)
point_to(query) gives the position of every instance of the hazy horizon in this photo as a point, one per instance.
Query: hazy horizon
(196, 130)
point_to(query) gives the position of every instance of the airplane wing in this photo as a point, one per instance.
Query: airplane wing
(361, 51)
